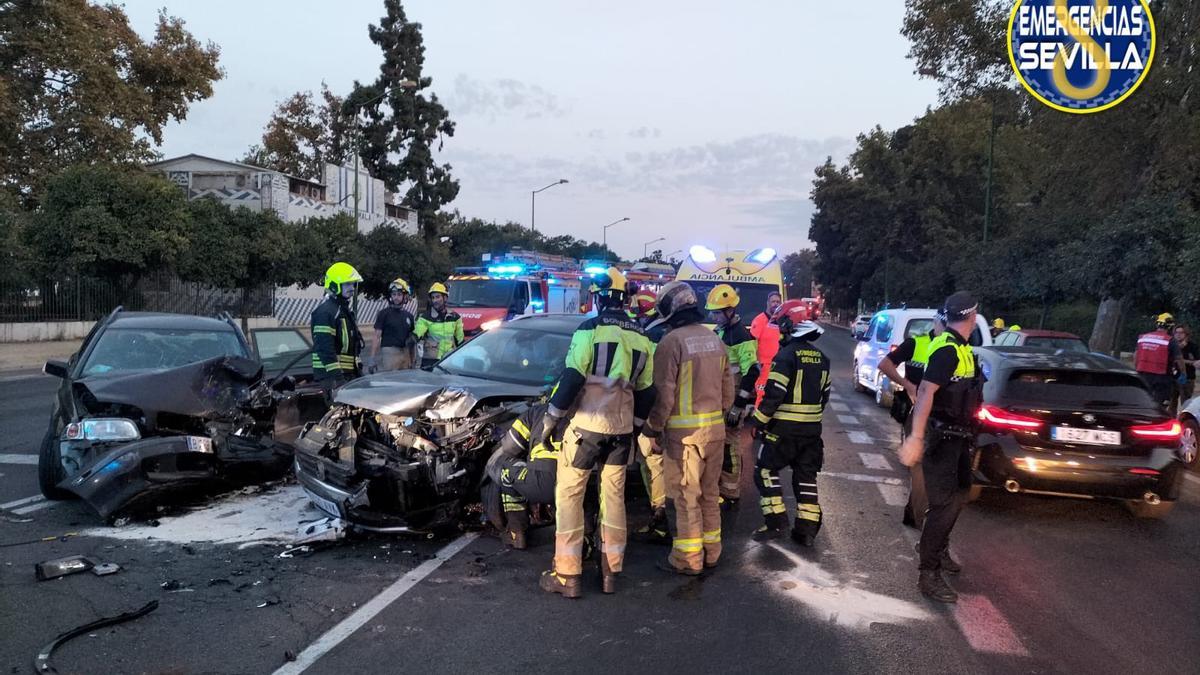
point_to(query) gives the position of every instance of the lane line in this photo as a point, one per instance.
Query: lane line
(10, 458)
(359, 618)
(36, 506)
(838, 406)
(847, 419)
(21, 502)
(863, 478)
(834, 396)
(1192, 477)
(874, 460)
(860, 437)
(985, 627)
(893, 495)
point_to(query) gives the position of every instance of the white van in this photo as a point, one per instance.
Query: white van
(888, 328)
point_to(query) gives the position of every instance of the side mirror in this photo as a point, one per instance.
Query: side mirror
(57, 369)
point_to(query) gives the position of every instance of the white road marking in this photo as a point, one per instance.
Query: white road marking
(985, 627)
(834, 396)
(893, 495)
(1192, 477)
(18, 378)
(21, 502)
(36, 506)
(860, 437)
(863, 478)
(874, 460)
(847, 419)
(358, 619)
(838, 406)
(10, 458)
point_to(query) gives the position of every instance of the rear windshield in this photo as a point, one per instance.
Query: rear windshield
(1068, 344)
(1078, 388)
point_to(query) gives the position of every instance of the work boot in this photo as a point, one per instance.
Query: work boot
(608, 578)
(518, 522)
(728, 503)
(666, 565)
(656, 531)
(946, 563)
(566, 586)
(933, 586)
(767, 533)
(803, 538)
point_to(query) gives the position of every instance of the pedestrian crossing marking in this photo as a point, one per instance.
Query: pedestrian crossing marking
(860, 437)
(893, 495)
(874, 460)
(847, 419)
(837, 406)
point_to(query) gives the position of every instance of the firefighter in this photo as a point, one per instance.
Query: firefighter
(787, 427)
(603, 396)
(393, 330)
(439, 330)
(656, 530)
(1157, 357)
(998, 326)
(742, 350)
(914, 354)
(694, 387)
(941, 437)
(521, 472)
(336, 340)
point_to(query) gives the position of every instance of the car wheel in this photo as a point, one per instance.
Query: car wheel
(858, 386)
(50, 470)
(1141, 509)
(1189, 443)
(883, 392)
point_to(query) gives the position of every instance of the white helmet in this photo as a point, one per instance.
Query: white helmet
(807, 330)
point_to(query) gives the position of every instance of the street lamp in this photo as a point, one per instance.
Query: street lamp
(533, 203)
(402, 84)
(606, 235)
(646, 245)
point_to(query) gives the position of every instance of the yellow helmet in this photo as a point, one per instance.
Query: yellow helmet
(438, 287)
(1014, 327)
(340, 273)
(1165, 319)
(998, 323)
(608, 282)
(722, 296)
(399, 284)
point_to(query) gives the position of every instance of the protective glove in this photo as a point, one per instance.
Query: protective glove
(734, 416)
(550, 425)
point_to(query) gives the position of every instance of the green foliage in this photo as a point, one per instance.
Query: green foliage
(303, 134)
(77, 83)
(798, 269)
(390, 253)
(238, 248)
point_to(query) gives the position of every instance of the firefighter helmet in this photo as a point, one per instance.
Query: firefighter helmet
(338, 274)
(722, 296)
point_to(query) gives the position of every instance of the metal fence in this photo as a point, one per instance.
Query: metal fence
(82, 298)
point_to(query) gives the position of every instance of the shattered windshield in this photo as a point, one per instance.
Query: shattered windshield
(124, 349)
(516, 355)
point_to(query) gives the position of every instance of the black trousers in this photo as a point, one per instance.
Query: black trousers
(946, 467)
(521, 482)
(805, 455)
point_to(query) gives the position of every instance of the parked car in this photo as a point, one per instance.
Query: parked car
(886, 330)
(1043, 339)
(859, 325)
(1077, 424)
(404, 451)
(153, 403)
(1189, 419)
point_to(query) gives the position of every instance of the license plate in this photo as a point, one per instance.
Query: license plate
(199, 444)
(323, 504)
(1085, 436)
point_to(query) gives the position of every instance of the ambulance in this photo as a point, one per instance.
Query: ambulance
(753, 274)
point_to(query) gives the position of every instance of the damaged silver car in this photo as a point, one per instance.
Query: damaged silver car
(404, 451)
(153, 404)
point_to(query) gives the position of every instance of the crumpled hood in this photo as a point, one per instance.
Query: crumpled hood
(408, 392)
(211, 388)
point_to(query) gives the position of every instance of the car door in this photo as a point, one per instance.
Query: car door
(880, 343)
(283, 352)
(863, 351)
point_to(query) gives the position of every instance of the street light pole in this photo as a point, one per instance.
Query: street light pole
(533, 202)
(403, 84)
(646, 245)
(606, 235)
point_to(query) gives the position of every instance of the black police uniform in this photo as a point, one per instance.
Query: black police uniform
(946, 463)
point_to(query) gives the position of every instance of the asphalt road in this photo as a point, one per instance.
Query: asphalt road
(1050, 584)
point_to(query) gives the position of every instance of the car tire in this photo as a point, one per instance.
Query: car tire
(50, 471)
(1191, 436)
(1141, 509)
(883, 392)
(858, 386)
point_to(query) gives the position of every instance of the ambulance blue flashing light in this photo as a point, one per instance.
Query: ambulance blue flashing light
(763, 255)
(702, 254)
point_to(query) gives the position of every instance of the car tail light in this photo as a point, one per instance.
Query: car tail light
(1144, 472)
(1171, 430)
(997, 417)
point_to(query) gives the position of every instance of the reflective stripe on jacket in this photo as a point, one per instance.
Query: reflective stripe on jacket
(958, 400)
(336, 340)
(1153, 353)
(797, 390)
(742, 350)
(692, 380)
(441, 333)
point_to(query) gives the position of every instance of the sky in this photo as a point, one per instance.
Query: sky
(700, 121)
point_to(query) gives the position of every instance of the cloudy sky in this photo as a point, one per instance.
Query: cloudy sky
(701, 121)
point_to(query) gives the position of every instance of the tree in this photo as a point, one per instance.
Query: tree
(109, 222)
(320, 242)
(403, 121)
(77, 83)
(303, 134)
(798, 272)
(390, 253)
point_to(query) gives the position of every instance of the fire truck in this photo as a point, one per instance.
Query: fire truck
(517, 284)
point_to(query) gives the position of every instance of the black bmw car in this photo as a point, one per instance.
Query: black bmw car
(1075, 424)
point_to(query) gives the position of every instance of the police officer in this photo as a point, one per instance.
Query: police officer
(788, 427)
(914, 354)
(603, 396)
(742, 349)
(521, 472)
(941, 437)
(336, 339)
(439, 330)
(393, 329)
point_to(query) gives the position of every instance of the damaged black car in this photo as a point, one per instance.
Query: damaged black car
(405, 451)
(156, 403)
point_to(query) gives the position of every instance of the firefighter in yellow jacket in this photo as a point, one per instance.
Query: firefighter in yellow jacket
(742, 350)
(604, 395)
(694, 388)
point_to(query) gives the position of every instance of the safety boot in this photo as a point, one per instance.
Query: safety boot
(564, 585)
(946, 563)
(767, 533)
(666, 565)
(518, 523)
(608, 578)
(933, 586)
(657, 530)
(803, 538)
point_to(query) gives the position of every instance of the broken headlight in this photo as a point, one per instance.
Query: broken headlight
(102, 429)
